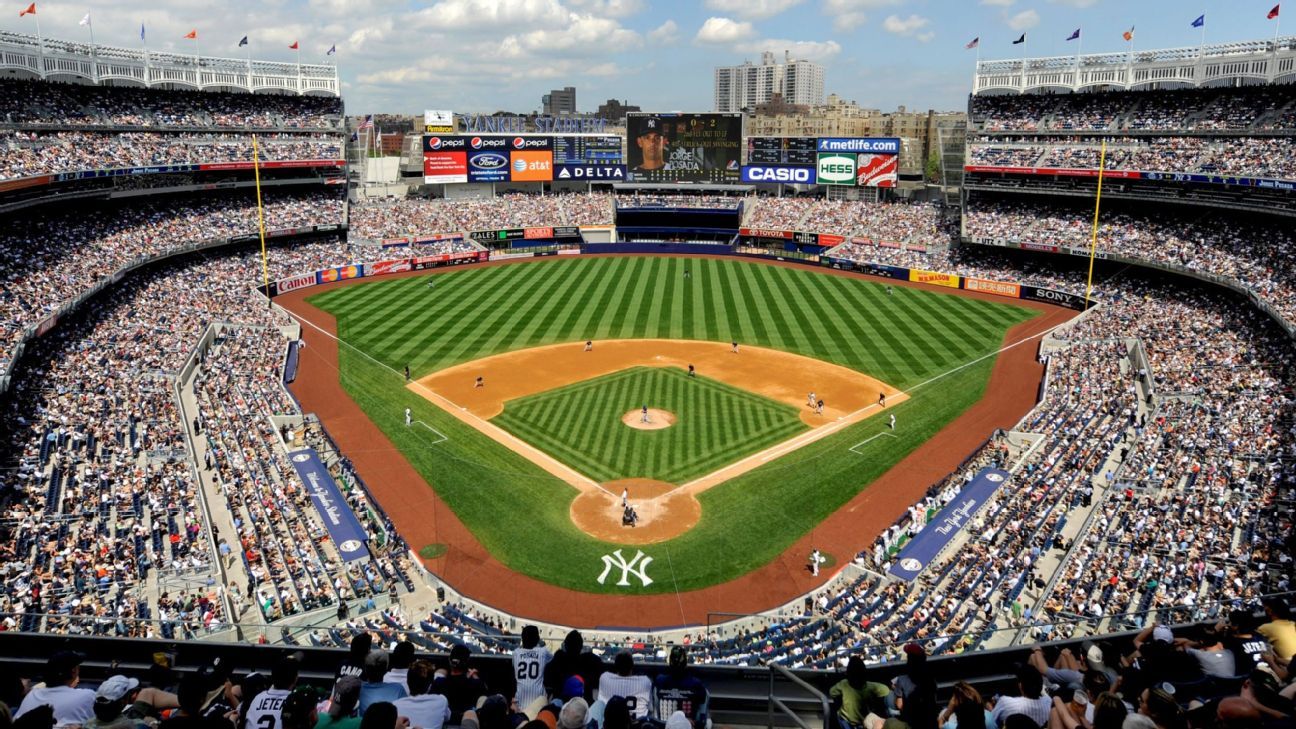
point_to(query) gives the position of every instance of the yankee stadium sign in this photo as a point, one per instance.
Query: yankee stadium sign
(484, 123)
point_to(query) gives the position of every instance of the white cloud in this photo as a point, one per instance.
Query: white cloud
(724, 30)
(910, 27)
(585, 35)
(1025, 20)
(608, 8)
(491, 15)
(999, 3)
(1076, 3)
(665, 34)
(848, 15)
(755, 9)
(800, 50)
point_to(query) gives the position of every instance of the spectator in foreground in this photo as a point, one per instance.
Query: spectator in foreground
(1280, 630)
(460, 685)
(573, 660)
(71, 705)
(266, 708)
(298, 711)
(374, 688)
(424, 709)
(191, 715)
(111, 701)
(341, 710)
(621, 681)
(401, 658)
(678, 689)
(915, 694)
(1031, 703)
(857, 696)
(966, 709)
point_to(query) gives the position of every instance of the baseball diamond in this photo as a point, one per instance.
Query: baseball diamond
(911, 337)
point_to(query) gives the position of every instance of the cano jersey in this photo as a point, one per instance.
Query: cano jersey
(266, 708)
(528, 670)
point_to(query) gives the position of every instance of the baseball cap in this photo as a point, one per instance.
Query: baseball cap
(116, 688)
(574, 715)
(573, 687)
(1093, 654)
(653, 124)
(678, 721)
(1162, 633)
(914, 649)
(459, 655)
(59, 666)
(678, 656)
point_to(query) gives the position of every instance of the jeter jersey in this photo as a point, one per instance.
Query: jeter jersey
(266, 708)
(528, 670)
(637, 691)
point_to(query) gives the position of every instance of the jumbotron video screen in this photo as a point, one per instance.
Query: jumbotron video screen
(684, 147)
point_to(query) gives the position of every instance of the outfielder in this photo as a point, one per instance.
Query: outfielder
(408, 418)
(892, 421)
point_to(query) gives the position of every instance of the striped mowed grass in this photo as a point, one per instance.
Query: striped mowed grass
(716, 424)
(903, 337)
(900, 337)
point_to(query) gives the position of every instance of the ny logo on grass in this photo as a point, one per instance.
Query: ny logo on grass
(627, 568)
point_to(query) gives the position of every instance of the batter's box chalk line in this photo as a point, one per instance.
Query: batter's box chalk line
(866, 440)
(441, 435)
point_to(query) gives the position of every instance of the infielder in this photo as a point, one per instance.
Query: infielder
(735, 347)
(644, 418)
(589, 345)
(892, 421)
(810, 399)
(481, 381)
(407, 373)
(692, 372)
(625, 497)
(819, 407)
(408, 418)
(882, 399)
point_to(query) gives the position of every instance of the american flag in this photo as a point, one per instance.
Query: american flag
(367, 123)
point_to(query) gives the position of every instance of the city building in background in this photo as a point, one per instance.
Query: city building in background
(615, 111)
(742, 88)
(559, 101)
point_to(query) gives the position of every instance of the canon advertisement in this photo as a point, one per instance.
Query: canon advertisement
(684, 147)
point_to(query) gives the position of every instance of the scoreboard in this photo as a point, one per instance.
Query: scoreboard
(781, 150)
(587, 150)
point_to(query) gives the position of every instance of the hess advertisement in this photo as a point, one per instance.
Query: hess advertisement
(684, 147)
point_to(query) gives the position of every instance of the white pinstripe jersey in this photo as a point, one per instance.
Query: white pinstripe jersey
(528, 670)
(637, 691)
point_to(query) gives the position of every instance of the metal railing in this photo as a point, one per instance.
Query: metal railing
(775, 702)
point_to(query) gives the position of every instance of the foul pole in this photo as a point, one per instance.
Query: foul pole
(256, 172)
(1093, 239)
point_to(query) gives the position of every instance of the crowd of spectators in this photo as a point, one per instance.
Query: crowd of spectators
(1251, 253)
(1260, 157)
(383, 218)
(24, 153)
(48, 258)
(1211, 109)
(916, 223)
(648, 200)
(77, 105)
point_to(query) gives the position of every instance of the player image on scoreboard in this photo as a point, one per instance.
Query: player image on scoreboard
(684, 147)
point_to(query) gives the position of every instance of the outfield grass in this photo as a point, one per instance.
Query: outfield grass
(716, 424)
(902, 338)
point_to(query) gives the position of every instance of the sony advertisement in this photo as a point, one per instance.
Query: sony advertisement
(684, 147)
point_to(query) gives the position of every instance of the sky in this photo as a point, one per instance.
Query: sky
(404, 56)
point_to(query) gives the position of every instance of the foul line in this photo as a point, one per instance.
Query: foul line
(870, 438)
(444, 437)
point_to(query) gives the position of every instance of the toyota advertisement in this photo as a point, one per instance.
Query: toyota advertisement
(684, 147)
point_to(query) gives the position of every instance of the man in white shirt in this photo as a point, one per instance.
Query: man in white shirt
(1032, 703)
(621, 681)
(266, 708)
(71, 705)
(424, 710)
(401, 658)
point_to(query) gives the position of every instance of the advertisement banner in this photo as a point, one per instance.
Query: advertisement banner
(423, 240)
(935, 278)
(447, 259)
(1040, 247)
(1061, 298)
(765, 233)
(488, 165)
(340, 273)
(828, 241)
(927, 544)
(836, 169)
(537, 233)
(445, 159)
(879, 269)
(296, 282)
(805, 238)
(343, 527)
(1085, 252)
(997, 288)
(438, 121)
(877, 170)
(384, 267)
(860, 145)
(394, 242)
(531, 166)
(784, 174)
(591, 173)
(703, 147)
(281, 164)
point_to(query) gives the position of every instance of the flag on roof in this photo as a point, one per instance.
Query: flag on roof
(332, 49)
(1272, 13)
(243, 41)
(1129, 34)
(293, 46)
(974, 42)
(1020, 40)
(31, 10)
(192, 35)
(1075, 34)
(1200, 21)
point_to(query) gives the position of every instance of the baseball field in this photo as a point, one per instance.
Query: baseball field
(797, 328)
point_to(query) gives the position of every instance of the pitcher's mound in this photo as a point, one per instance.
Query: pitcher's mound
(657, 419)
(664, 511)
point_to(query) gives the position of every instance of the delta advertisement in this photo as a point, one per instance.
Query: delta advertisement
(684, 147)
